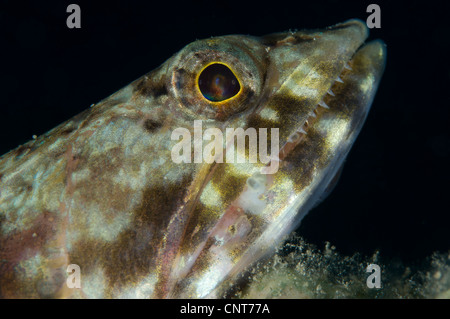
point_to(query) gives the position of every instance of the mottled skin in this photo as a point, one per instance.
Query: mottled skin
(102, 192)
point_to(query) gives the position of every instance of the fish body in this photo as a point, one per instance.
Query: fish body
(103, 191)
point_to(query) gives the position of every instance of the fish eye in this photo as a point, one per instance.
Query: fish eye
(216, 78)
(218, 83)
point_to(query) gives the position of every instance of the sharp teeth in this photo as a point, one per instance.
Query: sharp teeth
(312, 114)
(330, 92)
(301, 130)
(347, 66)
(339, 80)
(322, 104)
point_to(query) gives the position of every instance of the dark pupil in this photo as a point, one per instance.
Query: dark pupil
(218, 83)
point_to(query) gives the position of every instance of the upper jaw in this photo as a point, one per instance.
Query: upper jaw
(303, 67)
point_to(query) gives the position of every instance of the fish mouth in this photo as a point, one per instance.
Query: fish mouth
(348, 97)
(329, 79)
(319, 87)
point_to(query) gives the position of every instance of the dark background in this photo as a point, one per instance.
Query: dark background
(393, 194)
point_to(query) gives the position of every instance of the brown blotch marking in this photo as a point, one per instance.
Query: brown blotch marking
(227, 184)
(288, 108)
(100, 184)
(151, 125)
(132, 256)
(304, 159)
(20, 246)
(256, 121)
(147, 86)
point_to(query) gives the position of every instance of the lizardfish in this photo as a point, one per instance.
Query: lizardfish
(103, 192)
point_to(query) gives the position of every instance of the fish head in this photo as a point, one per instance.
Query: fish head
(149, 191)
(310, 92)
